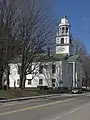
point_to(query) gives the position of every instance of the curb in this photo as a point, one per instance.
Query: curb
(28, 98)
(35, 97)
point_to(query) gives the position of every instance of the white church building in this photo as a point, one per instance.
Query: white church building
(61, 69)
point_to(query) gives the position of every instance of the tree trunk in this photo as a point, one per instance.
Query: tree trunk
(21, 79)
(1, 75)
(24, 80)
(22, 66)
(8, 76)
(14, 84)
(1, 64)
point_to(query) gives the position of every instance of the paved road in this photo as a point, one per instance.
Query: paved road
(53, 108)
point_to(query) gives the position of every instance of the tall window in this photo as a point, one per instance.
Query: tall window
(63, 29)
(40, 68)
(40, 81)
(66, 29)
(53, 68)
(62, 40)
(53, 82)
(29, 81)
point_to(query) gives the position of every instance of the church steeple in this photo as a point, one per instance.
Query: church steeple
(63, 39)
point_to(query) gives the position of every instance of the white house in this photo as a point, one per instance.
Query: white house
(62, 69)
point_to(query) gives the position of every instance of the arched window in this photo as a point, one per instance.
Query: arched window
(63, 29)
(66, 29)
(62, 40)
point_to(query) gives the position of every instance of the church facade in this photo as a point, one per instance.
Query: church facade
(61, 69)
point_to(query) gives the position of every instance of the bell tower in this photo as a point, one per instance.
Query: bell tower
(64, 38)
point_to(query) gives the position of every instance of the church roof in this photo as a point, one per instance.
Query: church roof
(52, 57)
(73, 58)
(43, 58)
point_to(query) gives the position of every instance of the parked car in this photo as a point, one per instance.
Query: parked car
(77, 90)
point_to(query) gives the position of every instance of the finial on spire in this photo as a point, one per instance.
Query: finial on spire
(65, 16)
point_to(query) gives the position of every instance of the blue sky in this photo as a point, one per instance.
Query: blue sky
(78, 12)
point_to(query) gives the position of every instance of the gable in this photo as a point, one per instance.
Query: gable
(73, 58)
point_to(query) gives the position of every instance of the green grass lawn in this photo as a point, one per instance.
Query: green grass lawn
(17, 93)
(11, 93)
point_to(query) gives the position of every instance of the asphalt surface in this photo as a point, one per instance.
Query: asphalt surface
(76, 107)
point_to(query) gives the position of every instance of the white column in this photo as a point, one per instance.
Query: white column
(76, 79)
(73, 74)
(81, 74)
(76, 75)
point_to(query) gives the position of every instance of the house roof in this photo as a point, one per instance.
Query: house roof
(73, 58)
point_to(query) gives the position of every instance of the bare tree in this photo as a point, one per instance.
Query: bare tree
(79, 47)
(85, 59)
(35, 32)
(26, 28)
(8, 43)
